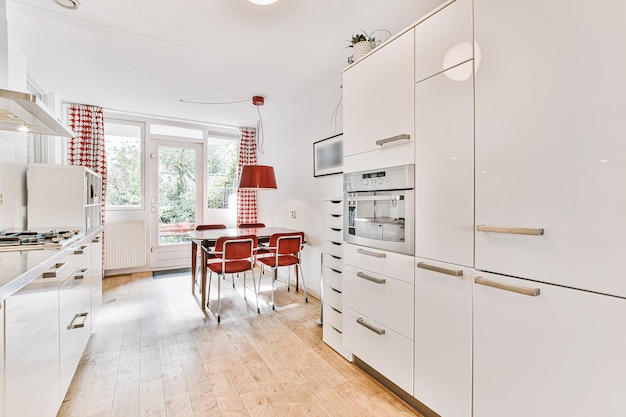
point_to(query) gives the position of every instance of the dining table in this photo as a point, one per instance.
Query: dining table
(207, 238)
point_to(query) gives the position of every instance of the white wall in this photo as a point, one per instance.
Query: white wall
(288, 146)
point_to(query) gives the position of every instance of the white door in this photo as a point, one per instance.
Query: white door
(175, 200)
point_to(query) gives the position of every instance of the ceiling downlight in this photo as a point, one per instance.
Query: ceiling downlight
(262, 2)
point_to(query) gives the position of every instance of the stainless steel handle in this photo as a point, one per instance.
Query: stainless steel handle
(335, 229)
(390, 197)
(77, 325)
(370, 278)
(335, 270)
(96, 239)
(369, 326)
(453, 272)
(370, 253)
(80, 251)
(532, 292)
(52, 273)
(381, 142)
(82, 273)
(510, 230)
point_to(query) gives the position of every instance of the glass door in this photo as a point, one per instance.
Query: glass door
(175, 202)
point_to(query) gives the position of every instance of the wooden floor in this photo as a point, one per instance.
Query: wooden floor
(155, 354)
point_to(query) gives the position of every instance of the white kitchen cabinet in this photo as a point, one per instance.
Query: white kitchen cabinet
(378, 301)
(378, 104)
(96, 276)
(550, 148)
(32, 350)
(332, 275)
(444, 167)
(444, 39)
(64, 196)
(2, 318)
(75, 314)
(558, 353)
(443, 337)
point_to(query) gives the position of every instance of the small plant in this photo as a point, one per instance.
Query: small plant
(359, 37)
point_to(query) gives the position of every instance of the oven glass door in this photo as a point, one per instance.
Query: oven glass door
(380, 219)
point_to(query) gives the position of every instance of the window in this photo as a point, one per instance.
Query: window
(221, 173)
(124, 164)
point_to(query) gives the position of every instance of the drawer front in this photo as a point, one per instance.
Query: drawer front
(388, 301)
(333, 316)
(76, 327)
(382, 262)
(333, 248)
(333, 278)
(390, 353)
(334, 221)
(335, 235)
(333, 298)
(333, 207)
(333, 262)
(444, 39)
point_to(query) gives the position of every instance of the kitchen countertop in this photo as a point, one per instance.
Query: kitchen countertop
(18, 268)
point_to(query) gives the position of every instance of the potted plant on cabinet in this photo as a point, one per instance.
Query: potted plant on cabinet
(363, 43)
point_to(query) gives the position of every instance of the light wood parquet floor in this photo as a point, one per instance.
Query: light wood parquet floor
(156, 354)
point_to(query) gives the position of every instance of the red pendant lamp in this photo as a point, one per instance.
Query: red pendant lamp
(257, 177)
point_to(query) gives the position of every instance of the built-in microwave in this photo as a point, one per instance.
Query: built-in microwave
(379, 208)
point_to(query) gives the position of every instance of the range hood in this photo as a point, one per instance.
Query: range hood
(25, 112)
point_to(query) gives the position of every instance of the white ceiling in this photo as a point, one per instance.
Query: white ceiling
(143, 56)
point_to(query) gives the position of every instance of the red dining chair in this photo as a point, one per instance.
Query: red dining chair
(286, 250)
(198, 253)
(236, 255)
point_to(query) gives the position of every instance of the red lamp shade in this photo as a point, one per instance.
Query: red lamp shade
(257, 177)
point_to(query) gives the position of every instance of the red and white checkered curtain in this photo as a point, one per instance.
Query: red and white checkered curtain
(246, 199)
(87, 148)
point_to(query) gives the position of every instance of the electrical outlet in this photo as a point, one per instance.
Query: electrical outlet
(293, 214)
(1, 199)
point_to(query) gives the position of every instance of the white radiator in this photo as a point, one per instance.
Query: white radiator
(125, 245)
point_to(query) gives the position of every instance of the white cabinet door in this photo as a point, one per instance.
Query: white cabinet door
(378, 99)
(443, 338)
(32, 350)
(560, 353)
(444, 168)
(2, 318)
(444, 39)
(550, 147)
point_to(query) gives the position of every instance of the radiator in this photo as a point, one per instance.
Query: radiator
(125, 245)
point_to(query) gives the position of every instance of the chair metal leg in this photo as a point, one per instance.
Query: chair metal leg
(219, 298)
(275, 272)
(244, 286)
(208, 290)
(256, 293)
(303, 284)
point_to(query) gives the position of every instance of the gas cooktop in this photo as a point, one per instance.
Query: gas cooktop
(29, 240)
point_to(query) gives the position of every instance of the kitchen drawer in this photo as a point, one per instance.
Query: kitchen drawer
(333, 316)
(333, 207)
(382, 262)
(67, 265)
(333, 262)
(389, 353)
(444, 39)
(334, 338)
(334, 221)
(333, 278)
(75, 322)
(335, 235)
(333, 297)
(387, 300)
(333, 248)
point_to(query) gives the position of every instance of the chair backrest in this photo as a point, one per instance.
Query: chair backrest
(210, 226)
(251, 225)
(236, 247)
(287, 243)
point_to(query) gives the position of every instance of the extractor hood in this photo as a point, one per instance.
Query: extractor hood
(23, 112)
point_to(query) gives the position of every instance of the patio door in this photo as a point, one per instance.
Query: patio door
(175, 203)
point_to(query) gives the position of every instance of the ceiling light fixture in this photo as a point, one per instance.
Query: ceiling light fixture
(68, 4)
(258, 177)
(262, 2)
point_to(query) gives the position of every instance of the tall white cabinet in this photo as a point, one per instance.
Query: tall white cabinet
(550, 166)
(332, 275)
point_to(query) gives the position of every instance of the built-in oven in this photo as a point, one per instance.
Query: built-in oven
(379, 208)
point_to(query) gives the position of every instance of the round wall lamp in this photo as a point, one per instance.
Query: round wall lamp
(68, 4)
(262, 2)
